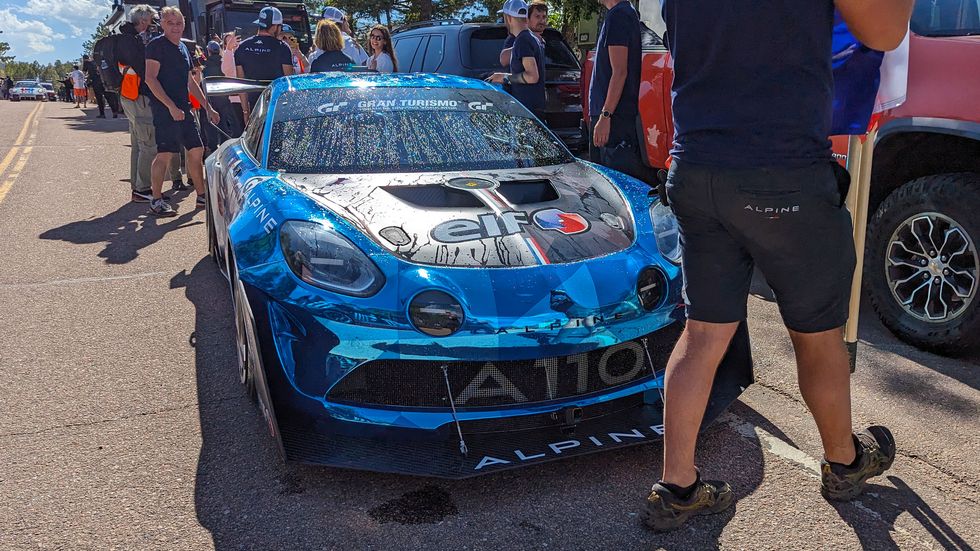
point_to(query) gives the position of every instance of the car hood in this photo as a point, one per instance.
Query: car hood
(499, 218)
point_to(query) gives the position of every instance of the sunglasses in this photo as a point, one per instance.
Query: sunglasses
(377, 37)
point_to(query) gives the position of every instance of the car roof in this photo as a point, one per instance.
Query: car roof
(325, 81)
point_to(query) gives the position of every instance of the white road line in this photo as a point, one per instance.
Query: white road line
(79, 280)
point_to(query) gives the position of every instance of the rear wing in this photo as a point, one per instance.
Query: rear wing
(229, 86)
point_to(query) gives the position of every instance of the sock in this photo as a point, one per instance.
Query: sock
(857, 455)
(682, 492)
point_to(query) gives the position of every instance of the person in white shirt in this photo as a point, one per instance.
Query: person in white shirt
(80, 88)
(382, 57)
(351, 49)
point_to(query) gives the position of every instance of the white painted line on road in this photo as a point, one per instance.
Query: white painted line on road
(80, 280)
(773, 444)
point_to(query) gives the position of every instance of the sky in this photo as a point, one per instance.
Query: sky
(46, 30)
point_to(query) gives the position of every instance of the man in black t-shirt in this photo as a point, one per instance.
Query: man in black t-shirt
(526, 76)
(263, 56)
(614, 91)
(168, 76)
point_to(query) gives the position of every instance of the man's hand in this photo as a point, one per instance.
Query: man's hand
(213, 115)
(177, 114)
(497, 78)
(600, 135)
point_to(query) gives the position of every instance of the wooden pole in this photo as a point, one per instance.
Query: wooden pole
(859, 156)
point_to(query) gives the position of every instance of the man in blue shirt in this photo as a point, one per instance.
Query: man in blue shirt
(526, 76)
(614, 90)
(753, 182)
(263, 56)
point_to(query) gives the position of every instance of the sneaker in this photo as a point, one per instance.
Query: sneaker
(159, 207)
(201, 201)
(876, 452)
(178, 185)
(665, 511)
(142, 196)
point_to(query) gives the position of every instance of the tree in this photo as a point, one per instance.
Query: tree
(4, 48)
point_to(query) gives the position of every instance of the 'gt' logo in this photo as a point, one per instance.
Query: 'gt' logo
(479, 105)
(330, 107)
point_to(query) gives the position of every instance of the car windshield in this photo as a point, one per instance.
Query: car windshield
(374, 130)
(486, 43)
(946, 17)
(25, 84)
(48, 86)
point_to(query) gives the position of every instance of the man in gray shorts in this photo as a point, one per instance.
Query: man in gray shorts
(753, 183)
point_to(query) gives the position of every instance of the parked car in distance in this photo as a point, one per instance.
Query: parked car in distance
(28, 89)
(472, 50)
(52, 96)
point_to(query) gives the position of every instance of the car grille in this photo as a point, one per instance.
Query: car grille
(421, 383)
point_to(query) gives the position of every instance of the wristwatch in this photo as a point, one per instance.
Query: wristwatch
(507, 80)
(606, 114)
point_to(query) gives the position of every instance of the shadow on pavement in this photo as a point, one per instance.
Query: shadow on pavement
(125, 231)
(247, 498)
(886, 504)
(86, 119)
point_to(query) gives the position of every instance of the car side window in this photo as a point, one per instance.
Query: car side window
(256, 128)
(405, 51)
(433, 54)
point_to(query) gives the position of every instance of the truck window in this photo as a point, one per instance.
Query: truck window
(946, 17)
(485, 46)
(433, 54)
(405, 51)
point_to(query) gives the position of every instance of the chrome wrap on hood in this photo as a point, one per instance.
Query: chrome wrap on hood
(502, 218)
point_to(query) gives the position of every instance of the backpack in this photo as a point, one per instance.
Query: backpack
(104, 55)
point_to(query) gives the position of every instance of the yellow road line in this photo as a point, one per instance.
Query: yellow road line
(20, 139)
(30, 123)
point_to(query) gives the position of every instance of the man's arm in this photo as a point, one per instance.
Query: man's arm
(617, 60)
(878, 24)
(505, 57)
(531, 73)
(287, 70)
(240, 73)
(152, 71)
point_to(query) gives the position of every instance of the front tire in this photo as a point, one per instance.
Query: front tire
(243, 324)
(922, 267)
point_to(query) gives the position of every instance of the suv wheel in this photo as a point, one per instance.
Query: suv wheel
(922, 267)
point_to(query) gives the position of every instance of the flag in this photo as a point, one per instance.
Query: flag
(866, 81)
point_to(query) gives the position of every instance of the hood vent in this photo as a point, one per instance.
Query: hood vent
(522, 192)
(435, 196)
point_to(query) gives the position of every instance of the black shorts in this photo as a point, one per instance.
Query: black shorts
(173, 135)
(788, 221)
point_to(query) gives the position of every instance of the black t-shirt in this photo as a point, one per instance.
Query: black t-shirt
(620, 28)
(531, 95)
(175, 67)
(331, 61)
(93, 74)
(261, 58)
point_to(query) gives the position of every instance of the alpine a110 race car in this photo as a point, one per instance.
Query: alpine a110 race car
(425, 281)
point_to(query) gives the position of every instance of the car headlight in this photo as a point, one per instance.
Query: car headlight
(329, 260)
(666, 231)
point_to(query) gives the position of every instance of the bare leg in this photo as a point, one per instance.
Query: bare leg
(825, 383)
(157, 172)
(690, 372)
(195, 168)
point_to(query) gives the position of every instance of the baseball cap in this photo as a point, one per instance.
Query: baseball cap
(268, 16)
(514, 8)
(336, 15)
(214, 47)
(286, 29)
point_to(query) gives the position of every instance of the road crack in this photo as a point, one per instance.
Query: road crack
(120, 418)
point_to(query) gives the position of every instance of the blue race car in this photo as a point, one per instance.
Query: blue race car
(426, 281)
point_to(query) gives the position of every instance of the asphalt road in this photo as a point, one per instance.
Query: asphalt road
(122, 424)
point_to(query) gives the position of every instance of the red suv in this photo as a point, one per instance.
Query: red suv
(922, 266)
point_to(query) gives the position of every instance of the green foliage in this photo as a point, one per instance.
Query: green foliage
(23, 70)
(4, 48)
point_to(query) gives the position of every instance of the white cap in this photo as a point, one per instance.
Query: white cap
(268, 16)
(514, 8)
(336, 15)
